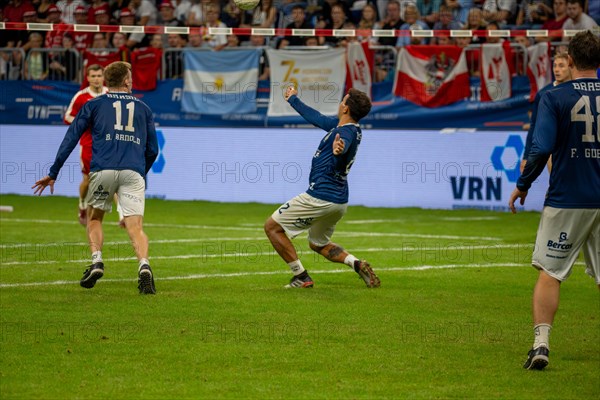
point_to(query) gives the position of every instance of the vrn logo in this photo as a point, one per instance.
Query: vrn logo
(488, 188)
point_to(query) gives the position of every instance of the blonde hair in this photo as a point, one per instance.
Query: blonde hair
(115, 74)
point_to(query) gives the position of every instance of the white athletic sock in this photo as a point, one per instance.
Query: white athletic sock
(143, 261)
(349, 260)
(96, 257)
(542, 335)
(296, 267)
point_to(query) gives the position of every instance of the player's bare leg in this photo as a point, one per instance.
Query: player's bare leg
(94, 229)
(96, 240)
(280, 241)
(284, 247)
(83, 190)
(337, 254)
(546, 295)
(139, 241)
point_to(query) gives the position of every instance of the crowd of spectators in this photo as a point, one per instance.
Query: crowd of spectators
(42, 62)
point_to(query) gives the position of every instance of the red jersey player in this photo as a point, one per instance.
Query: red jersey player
(96, 88)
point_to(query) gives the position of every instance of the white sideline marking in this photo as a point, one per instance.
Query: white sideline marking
(264, 253)
(194, 240)
(238, 228)
(279, 272)
(469, 218)
(385, 221)
(58, 221)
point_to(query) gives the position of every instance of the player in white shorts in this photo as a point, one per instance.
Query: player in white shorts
(124, 147)
(567, 128)
(326, 200)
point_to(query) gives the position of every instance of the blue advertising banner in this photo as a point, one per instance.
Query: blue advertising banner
(44, 103)
(427, 169)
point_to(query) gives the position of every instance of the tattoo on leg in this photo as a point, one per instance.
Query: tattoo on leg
(334, 252)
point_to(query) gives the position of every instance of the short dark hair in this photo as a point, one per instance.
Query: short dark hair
(115, 74)
(584, 49)
(358, 103)
(580, 2)
(95, 67)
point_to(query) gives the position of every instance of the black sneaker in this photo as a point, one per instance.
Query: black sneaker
(300, 281)
(364, 270)
(537, 358)
(91, 275)
(146, 280)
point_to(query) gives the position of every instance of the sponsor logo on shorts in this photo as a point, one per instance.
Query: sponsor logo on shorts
(131, 197)
(303, 222)
(562, 244)
(100, 193)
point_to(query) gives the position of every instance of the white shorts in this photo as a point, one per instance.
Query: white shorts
(561, 234)
(128, 185)
(305, 212)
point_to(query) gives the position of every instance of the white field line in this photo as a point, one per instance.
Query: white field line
(385, 221)
(279, 272)
(64, 222)
(469, 218)
(266, 253)
(234, 228)
(158, 241)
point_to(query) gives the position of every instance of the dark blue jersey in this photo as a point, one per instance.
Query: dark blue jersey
(568, 128)
(329, 173)
(534, 114)
(123, 134)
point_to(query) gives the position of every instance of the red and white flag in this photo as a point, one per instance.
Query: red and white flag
(359, 67)
(432, 76)
(495, 73)
(539, 67)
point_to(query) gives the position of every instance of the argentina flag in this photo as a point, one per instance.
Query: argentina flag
(220, 82)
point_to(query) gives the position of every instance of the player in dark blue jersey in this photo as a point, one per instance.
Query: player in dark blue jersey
(568, 128)
(319, 209)
(562, 73)
(124, 147)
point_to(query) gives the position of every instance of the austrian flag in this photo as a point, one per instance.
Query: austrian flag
(432, 76)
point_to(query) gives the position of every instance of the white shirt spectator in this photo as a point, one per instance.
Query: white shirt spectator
(182, 10)
(67, 9)
(494, 6)
(584, 22)
(147, 9)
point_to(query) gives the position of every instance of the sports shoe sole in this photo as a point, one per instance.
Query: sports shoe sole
(91, 280)
(367, 271)
(146, 282)
(305, 285)
(539, 362)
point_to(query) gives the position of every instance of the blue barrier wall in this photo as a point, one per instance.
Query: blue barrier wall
(429, 169)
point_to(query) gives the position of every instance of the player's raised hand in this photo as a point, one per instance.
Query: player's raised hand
(41, 185)
(289, 92)
(338, 145)
(516, 194)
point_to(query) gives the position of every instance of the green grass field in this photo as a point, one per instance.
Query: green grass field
(451, 319)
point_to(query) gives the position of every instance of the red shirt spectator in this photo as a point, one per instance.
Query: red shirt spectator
(82, 40)
(54, 37)
(13, 12)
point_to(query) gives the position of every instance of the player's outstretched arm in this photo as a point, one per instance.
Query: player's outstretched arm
(41, 185)
(308, 113)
